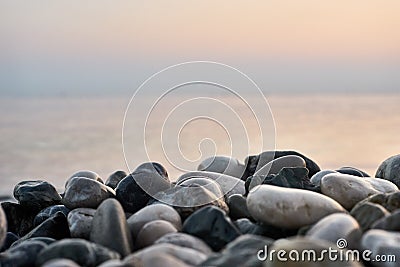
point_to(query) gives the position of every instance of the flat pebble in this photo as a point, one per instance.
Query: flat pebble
(152, 231)
(348, 190)
(83, 192)
(110, 229)
(80, 222)
(288, 207)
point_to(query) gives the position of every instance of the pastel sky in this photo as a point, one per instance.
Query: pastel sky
(74, 46)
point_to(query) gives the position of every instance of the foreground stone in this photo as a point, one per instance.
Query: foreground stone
(152, 231)
(336, 226)
(110, 229)
(80, 251)
(381, 242)
(288, 207)
(185, 240)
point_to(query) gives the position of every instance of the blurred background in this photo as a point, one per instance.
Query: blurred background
(330, 71)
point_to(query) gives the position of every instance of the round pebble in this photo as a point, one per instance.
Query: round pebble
(288, 207)
(152, 231)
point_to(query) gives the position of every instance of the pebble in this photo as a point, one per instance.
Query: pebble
(212, 225)
(316, 178)
(114, 178)
(348, 190)
(163, 260)
(80, 222)
(287, 177)
(276, 165)
(224, 165)
(19, 218)
(390, 170)
(48, 212)
(389, 222)
(240, 252)
(153, 167)
(335, 226)
(367, 213)
(381, 242)
(278, 206)
(135, 190)
(55, 227)
(177, 197)
(24, 254)
(151, 213)
(300, 245)
(87, 174)
(82, 252)
(36, 195)
(110, 229)
(187, 255)
(253, 163)
(206, 183)
(229, 185)
(185, 240)
(83, 192)
(238, 207)
(3, 227)
(353, 171)
(152, 231)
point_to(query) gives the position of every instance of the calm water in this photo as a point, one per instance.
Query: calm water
(51, 138)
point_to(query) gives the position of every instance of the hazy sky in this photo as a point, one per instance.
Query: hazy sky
(74, 46)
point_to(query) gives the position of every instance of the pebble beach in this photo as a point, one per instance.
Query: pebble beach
(225, 213)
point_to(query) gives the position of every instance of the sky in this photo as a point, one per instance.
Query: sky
(73, 47)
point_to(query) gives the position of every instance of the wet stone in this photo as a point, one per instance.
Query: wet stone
(36, 195)
(48, 212)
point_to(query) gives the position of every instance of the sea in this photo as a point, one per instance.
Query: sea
(51, 138)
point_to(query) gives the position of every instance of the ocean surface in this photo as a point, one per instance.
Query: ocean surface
(53, 137)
